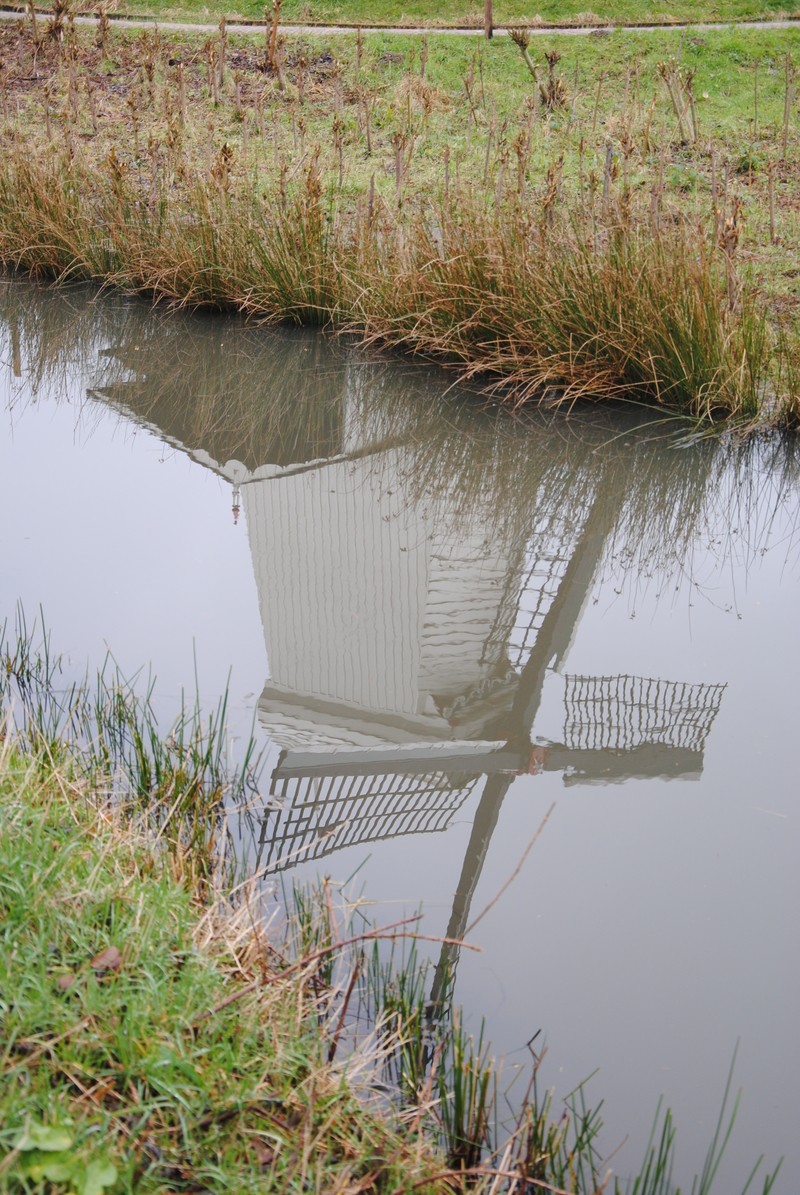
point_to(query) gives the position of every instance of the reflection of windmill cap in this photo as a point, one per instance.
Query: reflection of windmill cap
(237, 473)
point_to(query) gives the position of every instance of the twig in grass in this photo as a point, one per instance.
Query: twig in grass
(272, 18)
(755, 99)
(469, 84)
(343, 1013)
(47, 1047)
(773, 239)
(30, 9)
(487, 156)
(223, 45)
(103, 26)
(521, 39)
(484, 1172)
(607, 174)
(554, 90)
(597, 96)
(680, 88)
(728, 242)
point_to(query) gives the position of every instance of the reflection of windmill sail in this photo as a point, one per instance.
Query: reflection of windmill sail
(620, 727)
(548, 551)
(319, 808)
(620, 713)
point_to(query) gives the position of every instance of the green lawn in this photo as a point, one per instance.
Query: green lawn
(468, 12)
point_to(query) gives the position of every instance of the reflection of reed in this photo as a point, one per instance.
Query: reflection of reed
(263, 399)
(47, 336)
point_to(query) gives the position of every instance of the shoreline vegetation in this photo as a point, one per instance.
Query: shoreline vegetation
(556, 222)
(164, 1033)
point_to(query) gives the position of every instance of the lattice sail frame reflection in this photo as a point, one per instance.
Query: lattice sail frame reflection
(319, 810)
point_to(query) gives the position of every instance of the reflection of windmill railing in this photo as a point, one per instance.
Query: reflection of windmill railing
(321, 803)
(549, 549)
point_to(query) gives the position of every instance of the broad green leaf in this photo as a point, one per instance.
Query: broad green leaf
(97, 1176)
(49, 1138)
(49, 1166)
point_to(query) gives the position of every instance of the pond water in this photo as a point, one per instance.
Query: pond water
(443, 623)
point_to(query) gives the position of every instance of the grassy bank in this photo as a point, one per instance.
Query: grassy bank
(160, 1035)
(156, 1034)
(149, 1044)
(613, 219)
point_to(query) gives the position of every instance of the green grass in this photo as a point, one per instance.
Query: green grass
(137, 1076)
(468, 12)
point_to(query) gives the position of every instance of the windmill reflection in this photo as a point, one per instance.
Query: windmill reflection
(410, 644)
(421, 574)
(474, 673)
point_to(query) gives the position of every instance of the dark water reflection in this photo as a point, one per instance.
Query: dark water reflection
(465, 617)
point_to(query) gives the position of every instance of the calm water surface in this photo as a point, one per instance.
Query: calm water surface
(444, 623)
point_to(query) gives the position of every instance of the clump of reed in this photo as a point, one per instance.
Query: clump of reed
(635, 316)
(178, 781)
(564, 284)
(443, 1076)
(564, 311)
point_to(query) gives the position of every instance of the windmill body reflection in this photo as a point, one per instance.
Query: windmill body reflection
(419, 589)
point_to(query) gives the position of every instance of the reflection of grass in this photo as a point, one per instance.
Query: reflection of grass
(431, 197)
